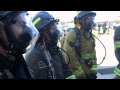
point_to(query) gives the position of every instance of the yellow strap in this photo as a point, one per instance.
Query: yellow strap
(71, 77)
(36, 21)
(117, 71)
(78, 72)
(94, 68)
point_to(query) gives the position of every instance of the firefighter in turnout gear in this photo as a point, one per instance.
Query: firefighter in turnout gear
(15, 35)
(80, 45)
(45, 59)
(117, 51)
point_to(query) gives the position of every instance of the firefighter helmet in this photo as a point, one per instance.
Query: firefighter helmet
(42, 19)
(84, 13)
(8, 13)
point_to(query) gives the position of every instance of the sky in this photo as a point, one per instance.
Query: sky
(107, 15)
(62, 15)
(69, 15)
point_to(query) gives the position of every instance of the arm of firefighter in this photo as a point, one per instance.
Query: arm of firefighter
(67, 73)
(37, 66)
(74, 64)
(117, 54)
(117, 49)
(94, 66)
(117, 69)
(117, 43)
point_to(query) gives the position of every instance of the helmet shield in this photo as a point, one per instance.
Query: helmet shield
(21, 31)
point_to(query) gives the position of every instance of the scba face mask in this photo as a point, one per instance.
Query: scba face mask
(89, 22)
(21, 32)
(53, 33)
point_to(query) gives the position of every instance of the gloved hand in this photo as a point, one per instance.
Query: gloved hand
(93, 76)
(71, 77)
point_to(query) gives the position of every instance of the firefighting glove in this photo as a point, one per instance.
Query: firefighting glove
(93, 76)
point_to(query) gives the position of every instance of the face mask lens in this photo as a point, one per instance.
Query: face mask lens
(28, 32)
(29, 27)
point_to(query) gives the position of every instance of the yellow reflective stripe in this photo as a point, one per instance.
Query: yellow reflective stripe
(71, 77)
(95, 34)
(78, 72)
(94, 68)
(87, 56)
(117, 71)
(117, 44)
(36, 21)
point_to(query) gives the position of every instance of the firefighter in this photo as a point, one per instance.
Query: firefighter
(45, 59)
(80, 45)
(117, 51)
(15, 35)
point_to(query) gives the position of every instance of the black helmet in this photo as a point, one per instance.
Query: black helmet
(84, 13)
(42, 19)
(4, 14)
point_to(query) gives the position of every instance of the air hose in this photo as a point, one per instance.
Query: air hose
(104, 48)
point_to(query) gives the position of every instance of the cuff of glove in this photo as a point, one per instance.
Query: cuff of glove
(71, 77)
(94, 68)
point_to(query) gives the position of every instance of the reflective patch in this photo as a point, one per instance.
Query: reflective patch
(117, 71)
(41, 64)
(71, 77)
(78, 72)
(93, 68)
(36, 21)
(117, 44)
